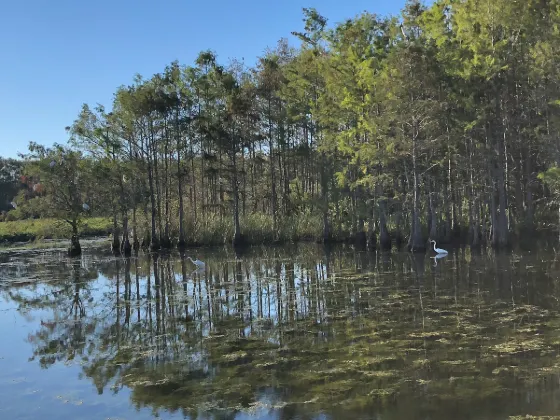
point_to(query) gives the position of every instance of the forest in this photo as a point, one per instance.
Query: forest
(441, 123)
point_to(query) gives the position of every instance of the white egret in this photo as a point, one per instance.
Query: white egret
(197, 262)
(14, 205)
(85, 207)
(199, 270)
(438, 250)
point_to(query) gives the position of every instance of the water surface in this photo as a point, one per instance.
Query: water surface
(279, 333)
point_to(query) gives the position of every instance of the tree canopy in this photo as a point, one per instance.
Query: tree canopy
(434, 124)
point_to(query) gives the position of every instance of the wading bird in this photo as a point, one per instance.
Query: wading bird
(198, 263)
(438, 250)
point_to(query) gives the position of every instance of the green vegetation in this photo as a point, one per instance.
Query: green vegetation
(435, 124)
(10, 183)
(344, 334)
(257, 227)
(36, 229)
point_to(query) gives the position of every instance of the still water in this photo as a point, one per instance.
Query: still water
(279, 333)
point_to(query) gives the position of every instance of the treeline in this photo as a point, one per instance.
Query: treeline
(10, 183)
(435, 124)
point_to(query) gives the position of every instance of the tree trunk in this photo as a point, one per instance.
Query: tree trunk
(327, 235)
(75, 249)
(529, 212)
(475, 224)
(126, 247)
(272, 177)
(399, 237)
(371, 235)
(135, 242)
(433, 217)
(558, 222)
(500, 238)
(154, 243)
(494, 213)
(180, 192)
(157, 181)
(415, 243)
(238, 239)
(166, 236)
(116, 243)
(384, 237)
(193, 188)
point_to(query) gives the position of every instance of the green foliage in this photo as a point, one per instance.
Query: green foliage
(551, 177)
(10, 173)
(411, 122)
(258, 228)
(37, 229)
(64, 174)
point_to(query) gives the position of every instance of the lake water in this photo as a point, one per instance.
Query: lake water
(279, 333)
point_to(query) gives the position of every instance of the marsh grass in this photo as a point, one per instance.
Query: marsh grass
(258, 228)
(37, 229)
(212, 229)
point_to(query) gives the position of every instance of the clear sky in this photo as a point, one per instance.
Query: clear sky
(58, 54)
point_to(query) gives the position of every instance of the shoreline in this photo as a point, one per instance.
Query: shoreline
(542, 239)
(49, 233)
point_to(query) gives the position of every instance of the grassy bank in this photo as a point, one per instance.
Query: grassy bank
(258, 228)
(37, 229)
(213, 230)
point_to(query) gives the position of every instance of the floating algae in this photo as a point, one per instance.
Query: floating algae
(241, 338)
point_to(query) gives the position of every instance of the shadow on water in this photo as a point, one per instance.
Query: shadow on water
(300, 332)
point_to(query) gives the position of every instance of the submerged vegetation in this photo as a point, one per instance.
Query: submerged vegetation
(378, 130)
(301, 332)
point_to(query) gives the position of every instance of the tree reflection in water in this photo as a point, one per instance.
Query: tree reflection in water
(305, 331)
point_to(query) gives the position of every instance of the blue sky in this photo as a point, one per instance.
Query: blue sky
(59, 54)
